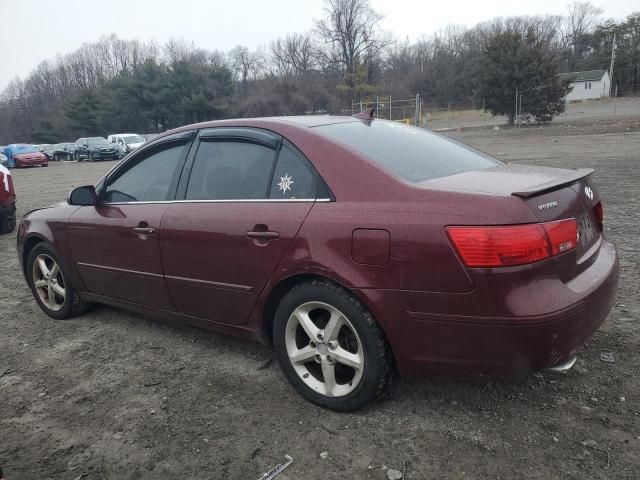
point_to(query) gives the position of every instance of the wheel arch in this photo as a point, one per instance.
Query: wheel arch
(286, 284)
(28, 245)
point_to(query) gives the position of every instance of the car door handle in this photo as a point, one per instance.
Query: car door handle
(263, 235)
(144, 230)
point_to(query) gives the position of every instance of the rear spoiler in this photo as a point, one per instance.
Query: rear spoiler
(562, 181)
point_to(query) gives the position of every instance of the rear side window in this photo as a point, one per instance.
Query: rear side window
(410, 153)
(292, 178)
(230, 170)
(148, 179)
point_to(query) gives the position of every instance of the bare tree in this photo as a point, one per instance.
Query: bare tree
(581, 20)
(350, 30)
(292, 55)
(246, 65)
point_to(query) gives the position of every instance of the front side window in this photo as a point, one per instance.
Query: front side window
(230, 170)
(149, 177)
(292, 179)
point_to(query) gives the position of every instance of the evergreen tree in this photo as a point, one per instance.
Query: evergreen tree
(512, 62)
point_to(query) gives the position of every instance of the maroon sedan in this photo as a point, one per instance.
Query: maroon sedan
(354, 246)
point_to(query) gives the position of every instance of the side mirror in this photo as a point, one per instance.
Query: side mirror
(83, 196)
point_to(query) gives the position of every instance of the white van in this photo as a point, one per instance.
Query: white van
(126, 142)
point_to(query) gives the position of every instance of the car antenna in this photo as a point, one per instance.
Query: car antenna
(367, 114)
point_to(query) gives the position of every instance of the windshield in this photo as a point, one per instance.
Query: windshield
(97, 142)
(133, 139)
(24, 149)
(411, 153)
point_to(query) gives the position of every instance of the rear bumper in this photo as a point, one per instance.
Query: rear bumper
(516, 343)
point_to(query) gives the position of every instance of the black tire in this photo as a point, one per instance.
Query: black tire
(7, 223)
(73, 305)
(377, 370)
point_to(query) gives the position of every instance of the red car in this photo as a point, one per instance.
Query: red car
(354, 246)
(7, 201)
(23, 155)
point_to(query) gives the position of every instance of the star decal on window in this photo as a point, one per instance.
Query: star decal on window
(285, 183)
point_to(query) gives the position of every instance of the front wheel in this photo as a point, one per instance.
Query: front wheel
(51, 286)
(7, 223)
(329, 346)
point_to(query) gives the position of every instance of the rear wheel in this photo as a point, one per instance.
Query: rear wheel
(330, 347)
(50, 285)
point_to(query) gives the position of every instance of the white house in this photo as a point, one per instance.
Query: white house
(588, 85)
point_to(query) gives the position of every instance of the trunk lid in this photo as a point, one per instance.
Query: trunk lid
(551, 193)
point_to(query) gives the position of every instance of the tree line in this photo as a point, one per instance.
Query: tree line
(116, 85)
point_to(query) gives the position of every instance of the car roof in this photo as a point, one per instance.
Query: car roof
(300, 121)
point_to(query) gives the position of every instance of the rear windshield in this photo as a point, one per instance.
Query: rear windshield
(411, 153)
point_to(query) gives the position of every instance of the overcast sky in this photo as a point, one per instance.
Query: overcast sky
(34, 30)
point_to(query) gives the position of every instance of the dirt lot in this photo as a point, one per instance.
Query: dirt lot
(114, 395)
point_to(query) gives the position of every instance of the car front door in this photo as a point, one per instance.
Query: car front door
(241, 208)
(116, 243)
(80, 150)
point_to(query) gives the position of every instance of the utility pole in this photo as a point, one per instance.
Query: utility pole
(484, 114)
(417, 116)
(390, 108)
(520, 112)
(516, 119)
(613, 58)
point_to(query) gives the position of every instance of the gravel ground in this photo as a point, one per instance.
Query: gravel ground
(115, 395)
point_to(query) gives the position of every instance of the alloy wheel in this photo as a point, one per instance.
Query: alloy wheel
(49, 282)
(324, 349)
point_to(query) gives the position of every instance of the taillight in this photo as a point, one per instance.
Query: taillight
(563, 235)
(504, 246)
(598, 210)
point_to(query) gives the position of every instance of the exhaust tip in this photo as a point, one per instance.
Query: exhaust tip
(564, 366)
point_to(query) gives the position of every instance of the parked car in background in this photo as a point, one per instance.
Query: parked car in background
(126, 142)
(353, 245)
(47, 149)
(24, 155)
(4, 161)
(7, 201)
(64, 151)
(95, 148)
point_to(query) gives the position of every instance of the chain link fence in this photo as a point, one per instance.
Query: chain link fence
(415, 111)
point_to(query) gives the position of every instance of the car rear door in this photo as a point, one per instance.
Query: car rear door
(115, 243)
(244, 197)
